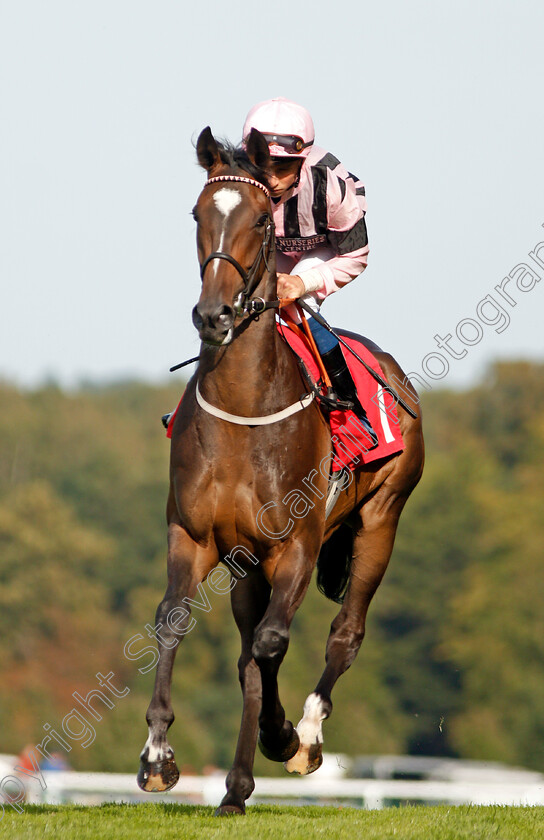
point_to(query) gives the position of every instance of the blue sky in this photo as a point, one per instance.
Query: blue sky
(436, 106)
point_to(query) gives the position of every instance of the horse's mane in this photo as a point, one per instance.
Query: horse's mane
(236, 157)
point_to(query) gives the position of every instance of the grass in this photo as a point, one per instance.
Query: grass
(271, 822)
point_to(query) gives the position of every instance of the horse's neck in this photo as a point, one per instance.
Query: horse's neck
(251, 376)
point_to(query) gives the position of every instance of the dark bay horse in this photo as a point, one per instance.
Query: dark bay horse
(225, 472)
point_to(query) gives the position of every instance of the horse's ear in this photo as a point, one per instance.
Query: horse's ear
(207, 151)
(257, 150)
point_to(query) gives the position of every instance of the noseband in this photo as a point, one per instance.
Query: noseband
(243, 304)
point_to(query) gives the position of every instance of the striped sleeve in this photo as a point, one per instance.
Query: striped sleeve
(339, 208)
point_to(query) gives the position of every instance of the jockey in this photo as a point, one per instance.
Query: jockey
(319, 214)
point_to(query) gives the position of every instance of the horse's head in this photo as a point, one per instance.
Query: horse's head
(234, 232)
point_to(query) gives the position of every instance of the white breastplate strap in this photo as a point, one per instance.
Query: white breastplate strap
(304, 402)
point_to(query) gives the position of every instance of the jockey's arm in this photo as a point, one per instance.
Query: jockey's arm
(348, 242)
(335, 273)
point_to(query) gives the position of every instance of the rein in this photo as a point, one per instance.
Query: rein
(243, 304)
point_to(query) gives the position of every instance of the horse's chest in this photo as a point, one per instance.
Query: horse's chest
(223, 491)
(223, 497)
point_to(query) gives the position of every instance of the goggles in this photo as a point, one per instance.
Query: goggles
(288, 142)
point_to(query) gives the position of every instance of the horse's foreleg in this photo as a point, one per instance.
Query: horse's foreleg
(188, 565)
(249, 600)
(278, 739)
(372, 549)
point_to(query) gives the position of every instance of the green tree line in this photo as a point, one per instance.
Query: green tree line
(452, 661)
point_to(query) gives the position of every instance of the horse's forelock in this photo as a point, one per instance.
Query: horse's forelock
(237, 159)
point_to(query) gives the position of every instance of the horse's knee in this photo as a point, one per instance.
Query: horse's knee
(175, 614)
(270, 643)
(162, 611)
(344, 642)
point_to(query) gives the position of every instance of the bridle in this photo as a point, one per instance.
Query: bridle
(243, 304)
(253, 307)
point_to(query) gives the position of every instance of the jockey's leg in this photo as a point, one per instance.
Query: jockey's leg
(329, 346)
(342, 381)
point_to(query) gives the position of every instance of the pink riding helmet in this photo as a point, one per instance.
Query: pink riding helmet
(288, 127)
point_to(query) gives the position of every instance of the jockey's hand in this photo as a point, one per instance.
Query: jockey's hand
(290, 286)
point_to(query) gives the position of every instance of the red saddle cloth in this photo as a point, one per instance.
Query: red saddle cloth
(349, 437)
(350, 440)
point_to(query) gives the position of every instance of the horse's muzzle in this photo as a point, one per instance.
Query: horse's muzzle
(214, 325)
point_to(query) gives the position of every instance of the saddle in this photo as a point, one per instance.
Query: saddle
(352, 444)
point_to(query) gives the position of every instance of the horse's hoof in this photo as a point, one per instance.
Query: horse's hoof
(306, 761)
(158, 776)
(290, 739)
(230, 811)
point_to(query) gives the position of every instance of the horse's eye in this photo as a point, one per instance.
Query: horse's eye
(262, 220)
(194, 214)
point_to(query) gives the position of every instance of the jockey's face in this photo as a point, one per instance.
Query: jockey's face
(283, 175)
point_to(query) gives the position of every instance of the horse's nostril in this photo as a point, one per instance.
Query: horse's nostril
(225, 316)
(197, 318)
(218, 320)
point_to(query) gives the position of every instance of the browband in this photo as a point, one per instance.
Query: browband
(239, 178)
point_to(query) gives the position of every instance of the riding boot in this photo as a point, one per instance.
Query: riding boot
(344, 387)
(165, 419)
